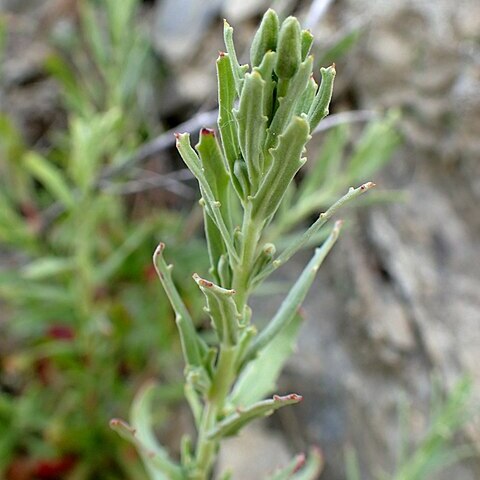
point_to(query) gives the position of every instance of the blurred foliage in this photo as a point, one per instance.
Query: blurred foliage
(87, 323)
(438, 448)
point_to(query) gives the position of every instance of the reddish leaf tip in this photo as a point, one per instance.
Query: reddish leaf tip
(300, 462)
(207, 131)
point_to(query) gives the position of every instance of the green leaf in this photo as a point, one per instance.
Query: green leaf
(251, 123)
(320, 107)
(13, 228)
(295, 297)
(214, 167)
(287, 104)
(238, 70)
(155, 457)
(300, 242)
(325, 169)
(222, 310)
(265, 39)
(303, 106)
(50, 176)
(286, 161)
(351, 464)
(307, 42)
(301, 467)
(289, 48)
(226, 99)
(435, 451)
(375, 148)
(213, 205)
(192, 345)
(234, 422)
(265, 69)
(117, 259)
(215, 246)
(260, 376)
(47, 267)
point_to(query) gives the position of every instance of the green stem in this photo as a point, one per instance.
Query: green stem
(224, 377)
(241, 278)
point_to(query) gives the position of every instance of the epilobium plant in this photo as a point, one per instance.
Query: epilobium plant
(266, 116)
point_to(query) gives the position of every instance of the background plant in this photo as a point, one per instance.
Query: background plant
(78, 291)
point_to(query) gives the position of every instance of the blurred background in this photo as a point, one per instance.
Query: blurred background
(91, 92)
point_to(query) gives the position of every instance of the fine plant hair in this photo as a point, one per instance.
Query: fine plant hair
(267, 113)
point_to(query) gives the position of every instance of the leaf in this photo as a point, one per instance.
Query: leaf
(50, 176)
(288, 103)
(251, 123)
(303, 106)
(46, 267)
(13, 228)
(156, 459)
(326, 166)
(234, 422)
(289, 48)
(351, 464)
(238, 70)
(286, 161)
(295, 297)
(226, 121)
(320, 106)
(115, 261)
(213, 164)
(193, 162)
(222, 310)
(301, 467)
(300, 242)
(374, 149)
(265, 69)
(192, 346)
(265, 39)
(259, 377)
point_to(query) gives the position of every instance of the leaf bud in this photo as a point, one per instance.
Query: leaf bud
(265, 39)
(289, 49)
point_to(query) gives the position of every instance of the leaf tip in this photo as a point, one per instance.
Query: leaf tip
(207, 132)
(300, 462)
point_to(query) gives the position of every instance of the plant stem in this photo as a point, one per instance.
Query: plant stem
(241, 277)
(224, 377)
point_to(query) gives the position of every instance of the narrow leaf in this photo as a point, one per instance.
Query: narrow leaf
(307, 42)
(251, 123)
(233, 423)
(320, 106)
(313, 230)
(286, 161)
(295, 296)
(265, 39)
(288, 103)
(191, 344)
(265, 69)
(47, 267)
(301, 467)
(226, 100)
(156, 459)
(238, 70)
(50, 176)
(289, 48)
(193, 162)
(222, 310)
(260, 376)
(213, 163)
